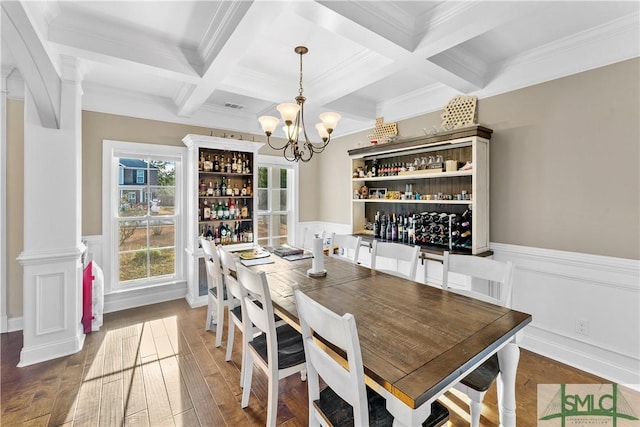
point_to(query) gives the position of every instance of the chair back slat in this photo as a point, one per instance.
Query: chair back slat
(348, 243)
(482, 268)
(341, 332)
(405, 257)
(257, 289)
(212, 263)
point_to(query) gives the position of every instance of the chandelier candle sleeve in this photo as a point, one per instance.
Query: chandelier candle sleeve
(293, 117)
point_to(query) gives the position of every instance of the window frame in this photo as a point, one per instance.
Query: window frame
(111, 152)
(292, 195)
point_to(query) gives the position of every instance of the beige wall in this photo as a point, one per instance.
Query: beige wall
(15, 185)
(564, 163)
(564, 166)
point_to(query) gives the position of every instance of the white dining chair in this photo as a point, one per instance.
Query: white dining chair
(278, 351)
(217, 299)
(476, 384)
(346, 400)
(404, 257)
(345, 246)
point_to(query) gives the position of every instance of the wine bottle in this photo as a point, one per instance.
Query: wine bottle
(400, 228)
(209, 234)
(383, 228)
(394, 229)
(376, 225)
(388, 231)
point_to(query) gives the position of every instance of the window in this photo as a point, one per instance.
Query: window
(276, 191)
(142, 215)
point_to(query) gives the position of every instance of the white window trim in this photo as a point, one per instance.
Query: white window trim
(111, 151)
(281, 162)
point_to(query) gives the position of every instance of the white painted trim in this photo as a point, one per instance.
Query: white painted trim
(124, 300)
(52, 350)
(112, 149)
(15, 324)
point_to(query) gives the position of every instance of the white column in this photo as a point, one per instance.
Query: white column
(3, 197)
(51, 257)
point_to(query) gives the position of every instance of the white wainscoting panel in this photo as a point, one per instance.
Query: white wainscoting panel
(563, 289)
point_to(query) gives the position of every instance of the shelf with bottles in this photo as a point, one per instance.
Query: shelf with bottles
(446, 173)
(216, 161)
(225, 234)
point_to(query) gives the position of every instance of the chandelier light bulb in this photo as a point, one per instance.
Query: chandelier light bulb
(288, 111)
(330, 120)
(322, 131)
(268, 124)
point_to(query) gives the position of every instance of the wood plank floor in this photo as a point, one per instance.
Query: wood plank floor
(156, 366)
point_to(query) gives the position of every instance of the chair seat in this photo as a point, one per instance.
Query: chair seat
(214, 292)
(482, 377)
(340, 413)
(290, 347)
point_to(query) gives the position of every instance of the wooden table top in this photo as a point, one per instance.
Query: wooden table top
(415, 339)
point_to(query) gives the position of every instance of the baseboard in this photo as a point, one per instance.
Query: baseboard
(560, 288)
(124, 300)
(14, 324)
(53, 350)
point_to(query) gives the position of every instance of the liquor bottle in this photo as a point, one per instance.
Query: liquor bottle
(225, 211)
(210, 189)
(228, 165)
(400, 228)
(249, 187)
(244, 212)
(201, 162)
(236, 189)
(234, 164)
(216, 190)
(216, 164)
(244, 189)
(394, 229)
(208, 165)
(219, 211)
(206, 211)
(232, 209)
(223, 187)
(376, 225)
(374, 168)
(209, 234)
(236, 213)
(216, 236)
(203, 188)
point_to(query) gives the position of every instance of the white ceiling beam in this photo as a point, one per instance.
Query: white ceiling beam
(247, 21)
(86, 37)
(33, 62)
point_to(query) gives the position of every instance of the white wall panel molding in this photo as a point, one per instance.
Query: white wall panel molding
(565, 289)
(5, 72)
(38, 257)
(124, 300)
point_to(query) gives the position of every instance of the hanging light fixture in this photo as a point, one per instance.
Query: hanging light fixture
(293, 117)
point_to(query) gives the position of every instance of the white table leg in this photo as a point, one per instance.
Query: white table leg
(508, 356)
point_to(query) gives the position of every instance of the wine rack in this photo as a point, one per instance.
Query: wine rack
(221, 175)
(439, 182)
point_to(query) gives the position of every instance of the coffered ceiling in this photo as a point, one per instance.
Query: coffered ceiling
(221, 64)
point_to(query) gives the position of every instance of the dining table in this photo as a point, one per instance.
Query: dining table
(417, 340)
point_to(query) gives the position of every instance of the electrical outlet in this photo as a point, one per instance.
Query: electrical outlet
(582, 326)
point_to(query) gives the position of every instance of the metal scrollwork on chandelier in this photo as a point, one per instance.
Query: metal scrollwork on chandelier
(293, 117)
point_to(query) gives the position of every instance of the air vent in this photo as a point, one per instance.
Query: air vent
(234, 106)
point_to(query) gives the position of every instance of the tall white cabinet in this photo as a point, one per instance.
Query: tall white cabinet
(236, 227)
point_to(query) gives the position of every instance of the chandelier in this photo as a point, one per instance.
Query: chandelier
(293, 118)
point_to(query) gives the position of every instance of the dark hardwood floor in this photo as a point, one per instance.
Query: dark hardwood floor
(156, 366)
